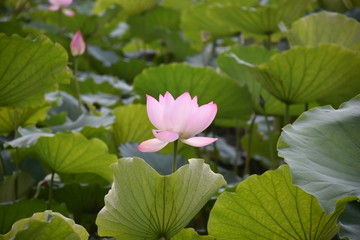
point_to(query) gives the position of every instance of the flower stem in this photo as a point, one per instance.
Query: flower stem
(174, 165)
(271, 150)
(51, 190)
(248, 154)
(2, 165)
(77, 84)
(203, 56)
(306, 106)
(60, 23)
(237, 147)
(287, 114)
(268, 41)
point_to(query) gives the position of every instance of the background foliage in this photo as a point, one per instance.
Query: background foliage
(284, 73)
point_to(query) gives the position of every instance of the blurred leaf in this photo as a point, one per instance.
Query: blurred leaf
(176, 44)
(85, 202)
(101, 99)
(34, 68)
(66, 104)
(130, 7)
(91, 83)
(85, 120)
(322, 149)
(128, 69)
(11, 118)
(350, 221)
(262, 147)
(338, 5)
(72, 153)
(199, 27)
(234, 63)
(103, 133)
(15, 186)
(145, 205)
(84, 198)
(327, 70)
(107, 57)
(42, 225)
(146, 25)
(131, 124)
(162, 163)
(179, 5)
(262, 19)
(12, 212)
(204, 83)
(190, 234)
(320, 27)
(83, 178)
(12, 27)
(91, 26)
(270, 207)
(29, 136)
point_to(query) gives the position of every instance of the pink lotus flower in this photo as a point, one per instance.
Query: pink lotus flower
(62, 4)
(180, 118)
(77, 45)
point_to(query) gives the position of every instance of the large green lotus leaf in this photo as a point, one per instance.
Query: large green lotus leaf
(307, 74)
(145, 205)
(72, 153)
(262, 19)
(232, 100)
(131, 124)
(270, 207)
(199, 27)
(320, 28)
(190, 234)
(322, 149)
(29, 69)
(12, 212)
(234, 63)
(11, 118)
(46, 225)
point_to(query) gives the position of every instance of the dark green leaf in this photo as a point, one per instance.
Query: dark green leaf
(72, 153)
(320, 28)
(322, 149)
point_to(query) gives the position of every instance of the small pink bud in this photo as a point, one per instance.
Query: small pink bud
(77, 44)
